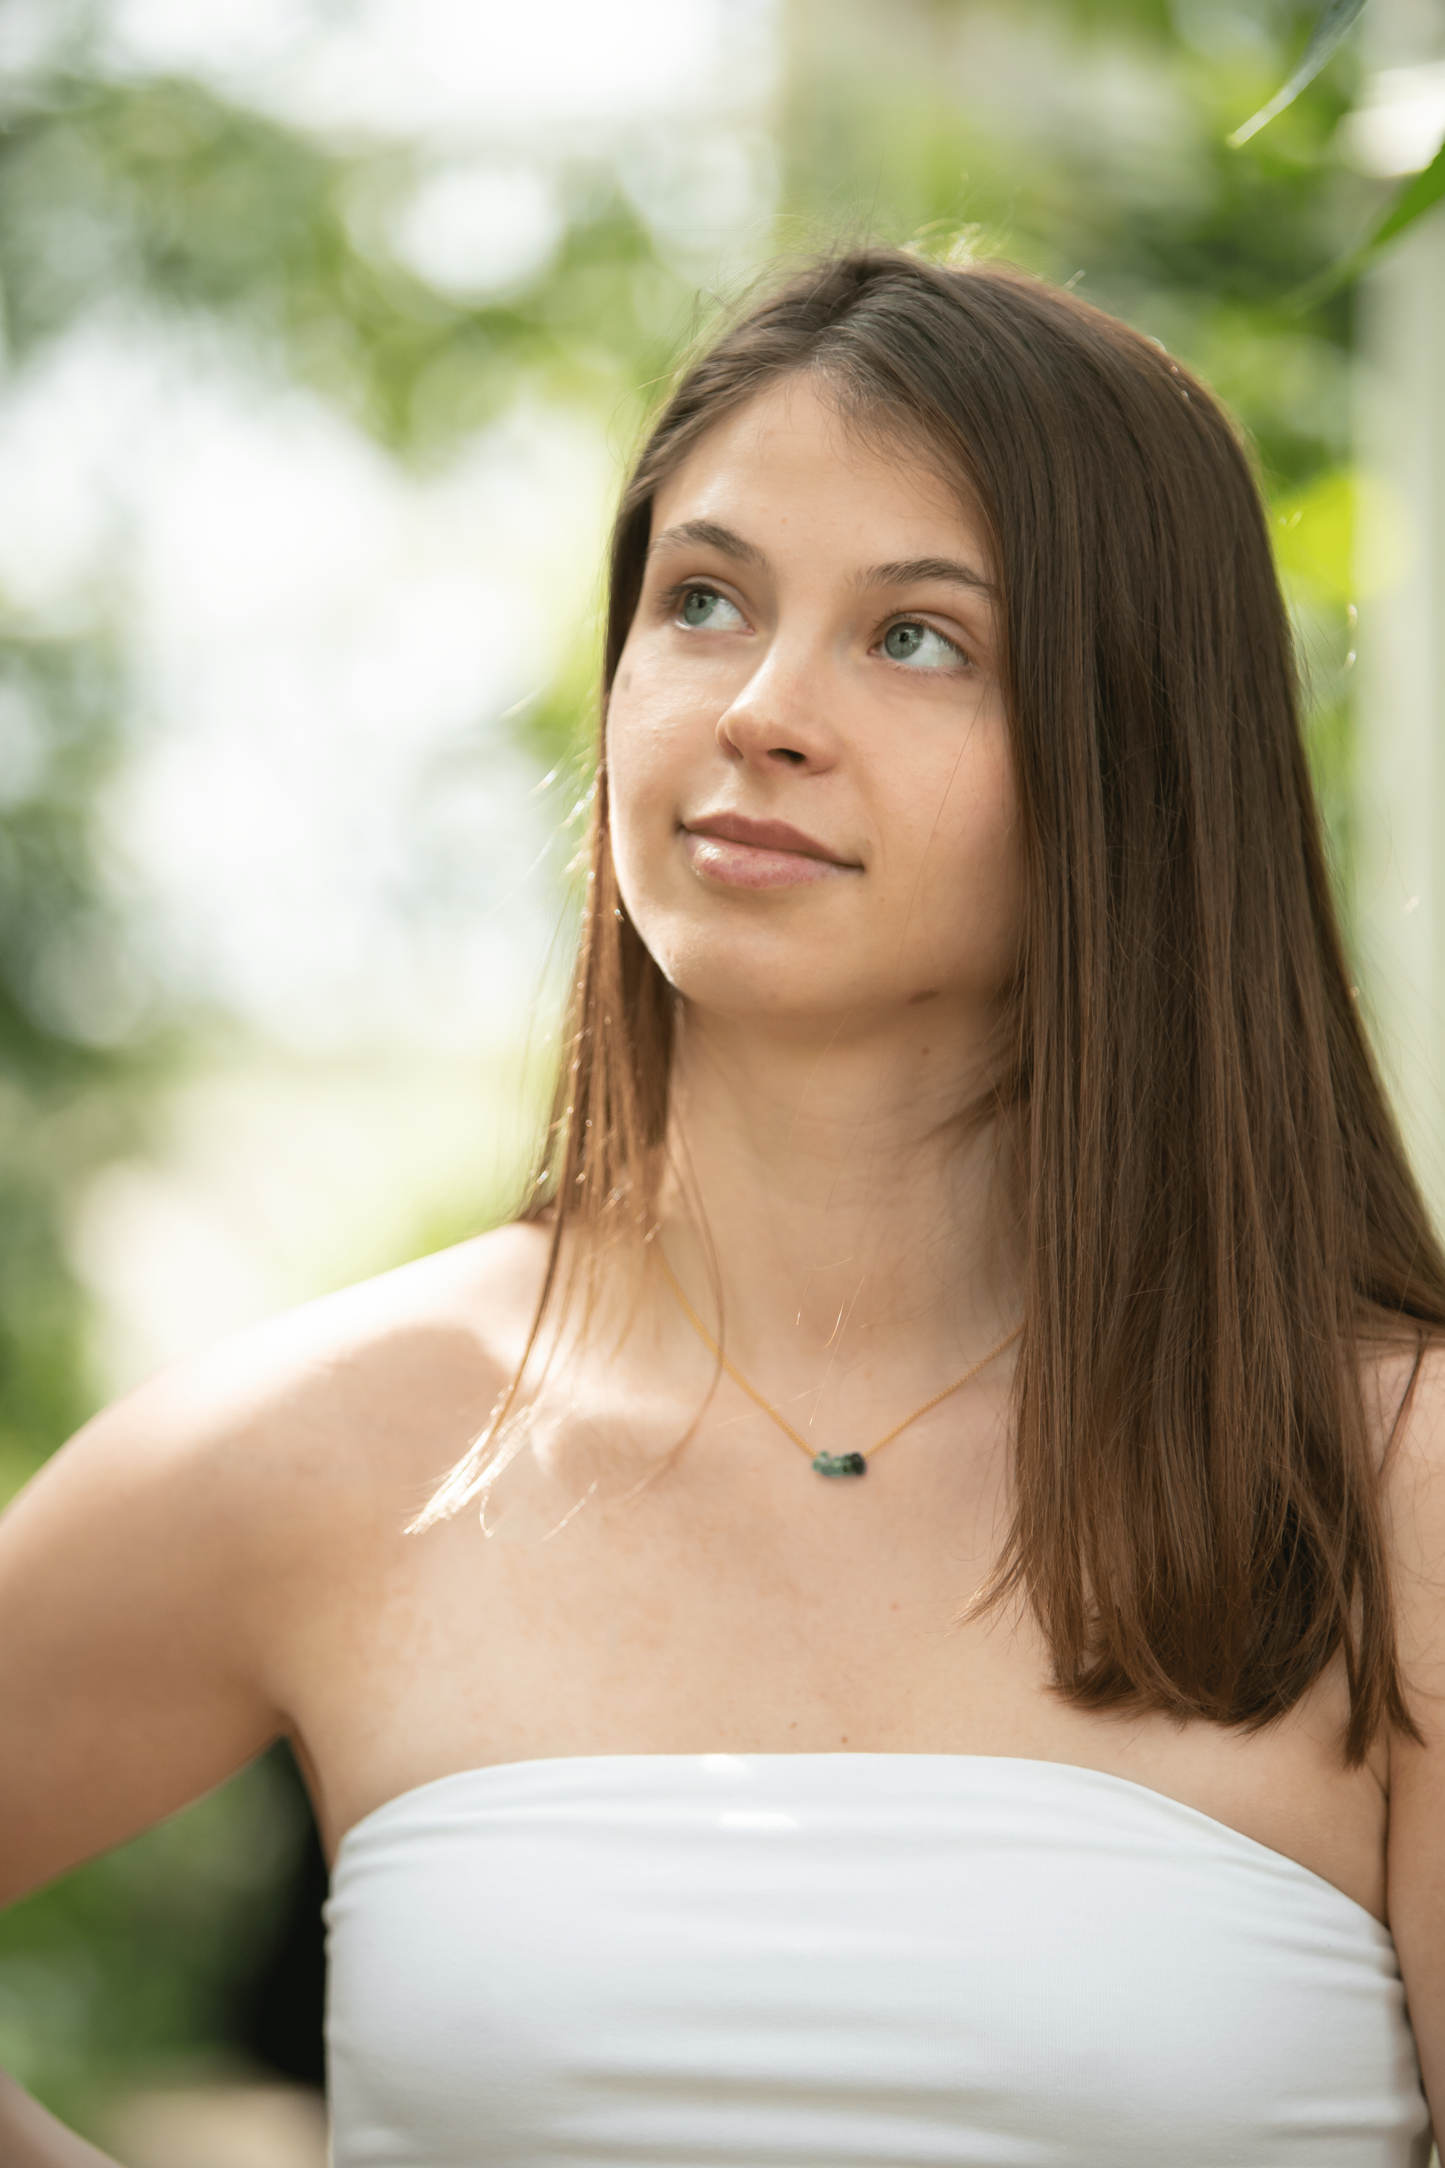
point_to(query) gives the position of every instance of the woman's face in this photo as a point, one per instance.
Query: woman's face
(812, 795)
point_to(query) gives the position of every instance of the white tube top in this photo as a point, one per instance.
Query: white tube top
(762, 1961)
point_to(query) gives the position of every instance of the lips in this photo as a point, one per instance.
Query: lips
(741, 853)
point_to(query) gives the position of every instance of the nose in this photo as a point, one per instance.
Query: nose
(778, 720)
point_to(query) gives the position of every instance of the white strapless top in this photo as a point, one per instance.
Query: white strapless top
(767, 1960)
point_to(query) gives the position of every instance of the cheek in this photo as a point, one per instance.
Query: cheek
(967, 870)
(647, 762)
(651, 732)
(638, 765)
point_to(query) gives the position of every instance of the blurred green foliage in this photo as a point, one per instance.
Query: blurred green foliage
(161, 193)
(66, 979)
(1331, 26)
(1085, 138)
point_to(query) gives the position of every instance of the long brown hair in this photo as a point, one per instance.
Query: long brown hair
(1218, 1209)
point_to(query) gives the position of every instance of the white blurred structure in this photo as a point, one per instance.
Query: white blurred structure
(1401, 436)
(1398, 127)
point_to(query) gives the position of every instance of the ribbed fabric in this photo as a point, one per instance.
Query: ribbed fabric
(849, 1961)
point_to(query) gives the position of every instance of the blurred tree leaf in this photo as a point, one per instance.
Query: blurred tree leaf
(1334, 24)
(1418, 195)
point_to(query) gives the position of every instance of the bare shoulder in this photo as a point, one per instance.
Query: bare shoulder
(156, 1570)
(371, 1383)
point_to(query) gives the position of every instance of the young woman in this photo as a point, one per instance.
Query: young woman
(964, 1084)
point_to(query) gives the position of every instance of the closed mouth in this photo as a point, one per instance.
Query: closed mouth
(767, 835)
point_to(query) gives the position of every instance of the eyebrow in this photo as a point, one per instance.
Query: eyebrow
(707, 534)
(908, 571)
(902, 572)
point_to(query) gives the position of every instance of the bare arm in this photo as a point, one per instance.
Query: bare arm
(30, 2137)
(130, 1572)
(135, 1577)
(1415, 1493)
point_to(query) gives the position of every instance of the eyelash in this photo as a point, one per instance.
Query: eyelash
(672, 600)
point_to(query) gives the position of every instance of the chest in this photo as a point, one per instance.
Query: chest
(772, 1612)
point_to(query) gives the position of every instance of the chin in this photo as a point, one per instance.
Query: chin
(774, 992)
(755, 980)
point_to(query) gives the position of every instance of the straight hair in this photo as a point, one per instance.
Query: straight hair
(1219, 1216)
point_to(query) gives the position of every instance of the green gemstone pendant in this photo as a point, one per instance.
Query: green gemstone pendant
(840, 1464)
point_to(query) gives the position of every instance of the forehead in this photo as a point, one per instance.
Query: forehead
(793, 462)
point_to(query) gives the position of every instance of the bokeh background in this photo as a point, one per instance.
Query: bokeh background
(327, 327)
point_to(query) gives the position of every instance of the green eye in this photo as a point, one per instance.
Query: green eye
(703, 606)
(921, 645)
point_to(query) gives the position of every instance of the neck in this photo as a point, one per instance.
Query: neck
(834, 1201)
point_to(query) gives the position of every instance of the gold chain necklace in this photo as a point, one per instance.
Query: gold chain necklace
(824, 1463)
